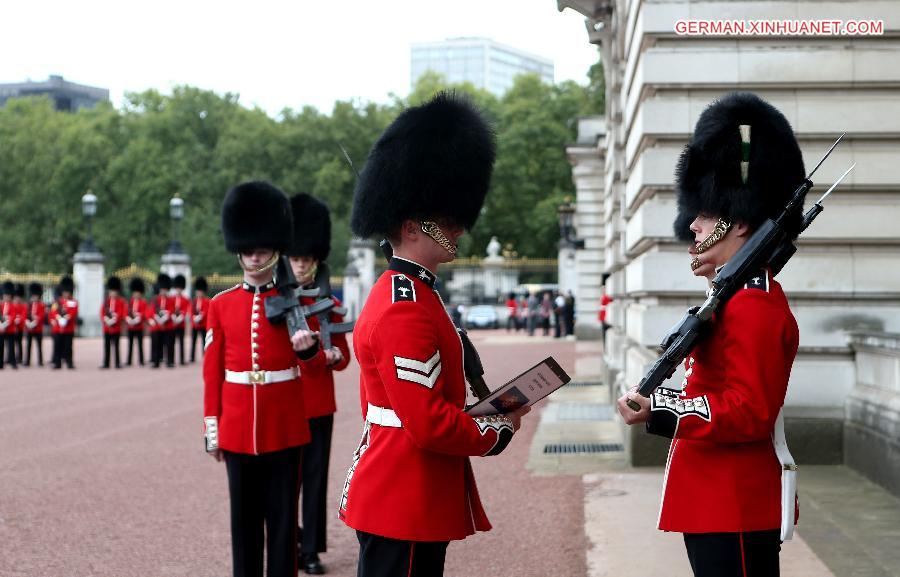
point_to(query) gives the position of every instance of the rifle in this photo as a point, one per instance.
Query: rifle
(286, 307)
(472, 366)
(326, 327)
(770, 246)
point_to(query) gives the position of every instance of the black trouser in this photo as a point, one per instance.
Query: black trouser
(168, 341)
(40, 350)
(197, 333)
(314, 484)
(111, 341)
(136, 335)
(155, 347)
(178, 336)
(8, 342)
(62, 350)
(751, 554)
(384, 557)
(19, 337)
(263, 490)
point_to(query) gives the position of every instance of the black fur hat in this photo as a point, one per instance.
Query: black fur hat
(20, 290)
(256, 215)
(434, 160)
(137, 285)
(312, 227)
(35, 289)
(114, 283)
(200, 284)
(164, 281)
(709, 177)
(8, 288)
(66, 284)
(179, 281)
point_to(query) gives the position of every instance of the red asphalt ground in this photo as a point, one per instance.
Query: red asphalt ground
(104, 473)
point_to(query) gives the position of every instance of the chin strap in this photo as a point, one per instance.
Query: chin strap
(264, 266)
(432, 229)
(718, 233)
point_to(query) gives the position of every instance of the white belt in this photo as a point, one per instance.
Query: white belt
(261, 377)
(788, 478)
(382, 416)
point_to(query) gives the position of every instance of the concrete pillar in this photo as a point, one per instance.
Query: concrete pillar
(362, 255)
(567, 270)
(89, 277)
(175, 263)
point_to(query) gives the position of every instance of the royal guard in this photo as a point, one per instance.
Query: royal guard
(136, 319)
(21, 313)
(63, 320)
(113, 313)
(34, 323)
(723, 484)
(199, 310)
(312, 243)
(181, 309)
(410, 488)
(8, 315)
(254, 413)
(162, 343)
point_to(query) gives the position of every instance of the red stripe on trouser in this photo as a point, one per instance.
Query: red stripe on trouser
(743, 562)
(412, 550)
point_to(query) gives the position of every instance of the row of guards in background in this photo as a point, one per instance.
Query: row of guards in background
(165, 316)
(19, 319)
(537, 309)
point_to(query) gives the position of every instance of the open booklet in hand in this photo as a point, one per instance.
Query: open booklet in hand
(526, 389)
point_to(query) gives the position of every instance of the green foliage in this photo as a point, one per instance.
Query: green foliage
(198, 143)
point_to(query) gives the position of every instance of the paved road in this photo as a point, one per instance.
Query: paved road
(103, 473)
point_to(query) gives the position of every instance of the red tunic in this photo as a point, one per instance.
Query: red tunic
(8, 315)
(21, 314)
(34, 319)
(251, 418)
(722, 473)
(163, 309)
(63, 316)
(137, 314)
(199, 313)
(181, 309)
(318, 377)
(413, 480)
(112, 315)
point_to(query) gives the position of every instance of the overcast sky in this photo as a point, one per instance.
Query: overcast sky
(275, 54)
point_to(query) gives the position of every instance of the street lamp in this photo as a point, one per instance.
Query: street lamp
(176, 213)
(88, 210)
(566, 214)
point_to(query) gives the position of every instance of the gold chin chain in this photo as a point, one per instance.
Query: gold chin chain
(718, 233)
(264, 266)
(431, 228)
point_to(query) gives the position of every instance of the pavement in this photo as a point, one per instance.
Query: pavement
(103, 473)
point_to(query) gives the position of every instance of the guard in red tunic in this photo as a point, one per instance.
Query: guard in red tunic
(181, 309)
(136, 319)
(162, 341)
(729, 477)
(8, 315)
(199, 310)
(112, 314)
(63, 319)
(310, 248)
(410, 489)
(253, 400)
(34, 323)
(22, 312)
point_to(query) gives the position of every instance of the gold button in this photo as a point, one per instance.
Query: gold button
(255, 316)
(255, 355)
(255, 345)
(255, 335)
(254, 325)
(255, 367)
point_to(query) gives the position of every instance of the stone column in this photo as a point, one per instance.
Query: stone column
(567, 269)
(88, 275)
(175, 263)
(362, 255)
(352, 299)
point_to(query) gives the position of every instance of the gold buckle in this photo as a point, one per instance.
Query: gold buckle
(257, 377)
(790, 467)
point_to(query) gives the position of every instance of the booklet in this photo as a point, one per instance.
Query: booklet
(526, 389)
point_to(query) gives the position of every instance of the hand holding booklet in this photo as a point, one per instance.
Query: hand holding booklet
(524, 390)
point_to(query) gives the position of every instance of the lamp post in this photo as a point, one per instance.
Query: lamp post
(176, 213)
(566, 215)
(88, 210)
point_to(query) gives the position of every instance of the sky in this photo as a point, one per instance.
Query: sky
(275, 54)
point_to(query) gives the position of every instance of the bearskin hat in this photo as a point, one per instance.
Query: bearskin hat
(179, 281)
(710, 179)
(66, 284)
(8, 288)
(35, 289)
(114, 283)
(312, 227)
(136, 285)
(434, 160)
(256, 215)
(163, 281)
(200, 284)
(20, 290)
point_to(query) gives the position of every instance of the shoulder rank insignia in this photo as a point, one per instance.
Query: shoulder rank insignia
(758, 281)
(403, 288)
